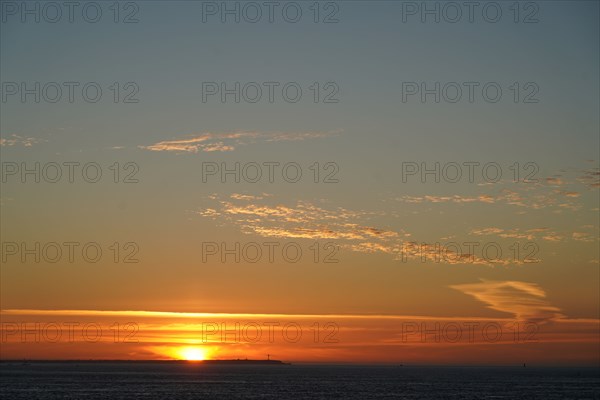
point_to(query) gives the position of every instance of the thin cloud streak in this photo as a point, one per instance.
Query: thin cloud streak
(222, 142)
(526, 301)
(16, 140)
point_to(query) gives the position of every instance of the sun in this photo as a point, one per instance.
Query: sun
(192, 353)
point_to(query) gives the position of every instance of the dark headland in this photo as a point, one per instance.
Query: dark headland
(245, 362)
(207, 362)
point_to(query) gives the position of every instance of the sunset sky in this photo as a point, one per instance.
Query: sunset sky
(380, 278)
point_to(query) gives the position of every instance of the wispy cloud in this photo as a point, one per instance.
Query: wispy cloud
(526, 301)
(221, 142)
(558, 192)
(590, 178)
(301, 220)
(352, 230)
(584, 237)
(533, 234)
(16, 140)
(515, 233)
(535, 201)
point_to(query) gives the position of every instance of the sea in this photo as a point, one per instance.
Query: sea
(142, 380)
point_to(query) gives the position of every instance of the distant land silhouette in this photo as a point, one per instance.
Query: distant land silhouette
(245, 362)
(208, 362)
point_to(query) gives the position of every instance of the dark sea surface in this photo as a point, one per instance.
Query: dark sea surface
(132, 380)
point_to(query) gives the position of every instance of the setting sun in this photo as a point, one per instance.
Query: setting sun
(192, 354)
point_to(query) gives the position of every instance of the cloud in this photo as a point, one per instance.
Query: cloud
(302, 220)
(508, 234)
(487, 231)
(555, 181)
(222, 142)
(558, 192)
(568, 193)
(553, 238)
(590, 178)
(16, 140)
(529, 234)
(583, 237)
(526, 301)
(535, 201)
(352, 230)
(446, 199)
(449, 253)
(238, 196)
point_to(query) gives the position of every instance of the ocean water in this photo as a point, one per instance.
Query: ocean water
(133, 380)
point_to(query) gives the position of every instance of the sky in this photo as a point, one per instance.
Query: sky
(350, 181)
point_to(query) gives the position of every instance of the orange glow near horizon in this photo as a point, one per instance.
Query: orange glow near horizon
(52, 334)
(187, 352)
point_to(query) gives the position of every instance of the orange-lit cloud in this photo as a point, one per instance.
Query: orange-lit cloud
(352, 229)
(558, 192)
(16, 140)
(220, 142)
(526, 301)
(590, 178)
(106, 334)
